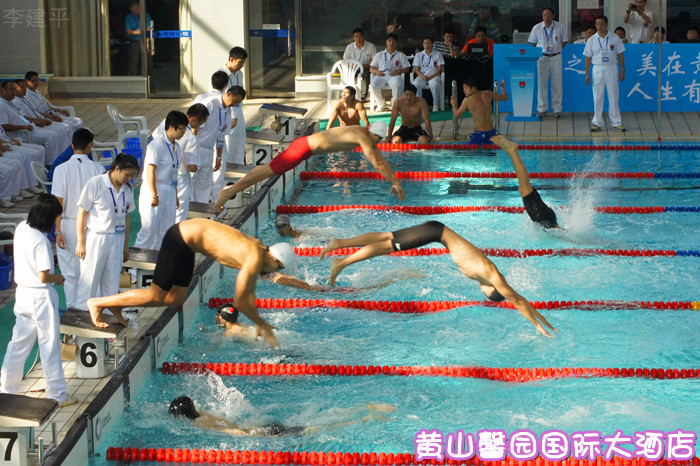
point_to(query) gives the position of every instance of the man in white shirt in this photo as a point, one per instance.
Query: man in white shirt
(640, 21)
(605, 50)
(25, 154)
(197, 115)
(68, 181)
(63, 130)
(389, 66)
(12, 120)
(428, 65)
(42, 104)
(362, 51)
(551, 36)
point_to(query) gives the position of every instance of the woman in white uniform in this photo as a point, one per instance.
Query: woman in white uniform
(158, 198)
(36, 303)
(103, 229)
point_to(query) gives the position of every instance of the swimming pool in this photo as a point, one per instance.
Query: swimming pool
(465, 336)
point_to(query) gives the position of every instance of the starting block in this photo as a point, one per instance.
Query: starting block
(201, 210)
(144, 261)
(93, 342)
(19, 415)
(263, 145)
(285, 118)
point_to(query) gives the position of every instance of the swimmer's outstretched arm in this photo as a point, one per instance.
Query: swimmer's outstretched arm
(294, 282)
(245, 300)
(382, 166)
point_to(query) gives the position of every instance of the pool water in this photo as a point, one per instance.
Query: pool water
(473, 336)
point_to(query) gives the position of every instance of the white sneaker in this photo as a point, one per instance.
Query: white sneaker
(25, 193)
(37, 190)
(17, 198)
(436, 109)
(6, 204)
(71, 400)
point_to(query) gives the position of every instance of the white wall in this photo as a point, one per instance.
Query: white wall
(217, 25)
(21, 37)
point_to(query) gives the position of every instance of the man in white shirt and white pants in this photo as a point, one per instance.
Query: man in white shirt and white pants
(41, 103)
(362, 51)
(640, 22)
(551, 36)
(605, 50)
(389, 66)
(428, 65)
(68, 181)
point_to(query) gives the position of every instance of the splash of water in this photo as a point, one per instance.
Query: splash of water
(584, 194)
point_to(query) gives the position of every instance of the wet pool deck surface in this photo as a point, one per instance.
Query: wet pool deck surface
(641, 127)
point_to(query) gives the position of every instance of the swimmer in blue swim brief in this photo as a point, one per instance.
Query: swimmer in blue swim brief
(469, 259)
(479, 104)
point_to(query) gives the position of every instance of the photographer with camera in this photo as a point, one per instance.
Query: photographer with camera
(640, 22)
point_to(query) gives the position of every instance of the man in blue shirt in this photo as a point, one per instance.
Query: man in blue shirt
(132, 24)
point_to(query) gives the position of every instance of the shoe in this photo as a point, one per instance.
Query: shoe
(542, 114)
(6, 204)
(595, 128)
(436, 109)
(17, 198)
(25, 193)
(71, 400)
(37, 190)
(557, 115)
(619, 128)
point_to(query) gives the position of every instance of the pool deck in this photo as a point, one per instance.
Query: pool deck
(641, 127)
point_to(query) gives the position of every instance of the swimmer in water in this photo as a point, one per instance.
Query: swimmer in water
(334, 140)
(183, 406)
(284, 227)
(468, 258)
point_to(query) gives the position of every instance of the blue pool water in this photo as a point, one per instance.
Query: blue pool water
(465, 336)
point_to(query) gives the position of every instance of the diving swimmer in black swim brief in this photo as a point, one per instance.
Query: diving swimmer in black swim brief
(538, 211)
(420, 235)
(175, 264)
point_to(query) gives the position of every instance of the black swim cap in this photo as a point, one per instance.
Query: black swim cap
(183, 406)
(495, 296)
(228, 312)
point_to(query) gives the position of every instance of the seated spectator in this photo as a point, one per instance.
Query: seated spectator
(481, 38)
(448, 47)
(411, 109)
(692, 35)
(348, 109)
(25, 154)
(389, 66)
(28, 110)
(428, 66)
(43, 105)
(362, 51)
(588, 33)
(10, 184)
(655, 38)
(620, 31)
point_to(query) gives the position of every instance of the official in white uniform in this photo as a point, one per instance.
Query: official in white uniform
(234, 140)
(428, 65)
(388, 66)
(158, 197)
(362, 51)
(551, 36)
(197, 115)
(69, 179)
(640, 22)
(41, 103)
(36, 303)
(25, 154)
(10, 184)
(605, 50)
(103, 229)
(63, 131)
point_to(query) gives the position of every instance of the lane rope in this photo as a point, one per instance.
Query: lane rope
(420, 307)
(434, 210)
(310, 175)
(504, 374)
(574, 147)
(330, 458)
(507, 252)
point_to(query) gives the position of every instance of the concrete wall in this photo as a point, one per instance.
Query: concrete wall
(217, 25)
(20, 34)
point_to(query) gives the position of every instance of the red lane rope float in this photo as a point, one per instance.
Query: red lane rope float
(505, 374)
(419, 307)
(434, 210)
(505, 252)
(310, 175)
(330, 458)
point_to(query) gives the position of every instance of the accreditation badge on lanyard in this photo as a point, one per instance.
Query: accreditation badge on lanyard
(175, 159)
(605, 52)
(548, 38)
(119, 220)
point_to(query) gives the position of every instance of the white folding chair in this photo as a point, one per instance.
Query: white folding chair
(372, 96)
(105, 152)
(68, 108)
(441, 97)
(22, 134)
(7, 225)
(139, 123)
(350, 72)
(41, 174)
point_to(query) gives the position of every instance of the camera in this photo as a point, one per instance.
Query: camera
(633, 7)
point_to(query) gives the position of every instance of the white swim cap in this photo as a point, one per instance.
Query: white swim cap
(284, 253)
(380, 128)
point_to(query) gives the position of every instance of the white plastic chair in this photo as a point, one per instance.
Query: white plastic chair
(141, 130)
(105, 152)
(67, 108)
(41, 174)
(6, 225)
(372, 96)
(441, 97)
(22, 134)
(350, 72)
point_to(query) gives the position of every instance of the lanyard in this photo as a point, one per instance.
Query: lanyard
(387, 61)
(173, 157)
(29, 106)
(114, 201)
(607, 38)
(430, 58)
(550, 36)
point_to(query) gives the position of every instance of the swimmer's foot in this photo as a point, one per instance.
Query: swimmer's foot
(120, 318)
(335, 270)
(332, 246)
(96, 313)
(504, 143)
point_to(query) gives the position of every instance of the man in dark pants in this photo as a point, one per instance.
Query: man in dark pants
(132, 24)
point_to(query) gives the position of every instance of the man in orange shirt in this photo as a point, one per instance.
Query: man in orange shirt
(481, 38)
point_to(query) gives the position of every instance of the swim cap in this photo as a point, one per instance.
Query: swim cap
(284, 253)
(282, 219)
(380, 128)
(228, 312)
(183, 406)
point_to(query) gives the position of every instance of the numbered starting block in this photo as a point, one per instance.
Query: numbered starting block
(264, 143)
(201, 210)
(285, 118)
(144, 261)
(93, 342)
(19, 415)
